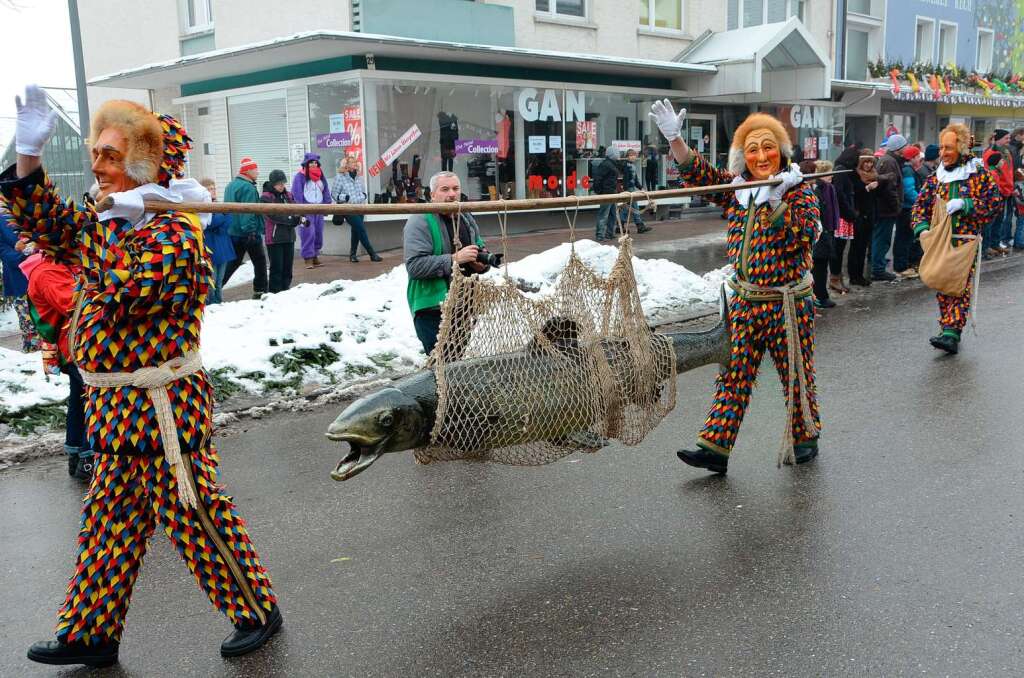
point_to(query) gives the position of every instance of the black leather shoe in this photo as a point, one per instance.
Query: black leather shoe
(56, 652)
(353, 258)
(245, 640)
(376, 257)
(947, 343)
(805, 453)
(701, 458)
(860, 282)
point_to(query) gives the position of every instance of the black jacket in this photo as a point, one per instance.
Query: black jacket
(606, 177)
(890, 185)
(845, 186)
(278, 229)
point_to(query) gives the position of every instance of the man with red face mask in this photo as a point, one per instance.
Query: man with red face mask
(771, 232)
(134, 336)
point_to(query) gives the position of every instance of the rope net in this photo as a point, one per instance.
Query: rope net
(526, 381)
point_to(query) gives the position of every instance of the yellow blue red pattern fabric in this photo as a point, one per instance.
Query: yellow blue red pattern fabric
(128, 497)
(145, 290)
(982, 198)
(778, 253)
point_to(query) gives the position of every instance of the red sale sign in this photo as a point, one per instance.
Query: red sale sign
(354, 128)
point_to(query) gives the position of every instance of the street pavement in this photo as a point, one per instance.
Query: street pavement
(897, 553)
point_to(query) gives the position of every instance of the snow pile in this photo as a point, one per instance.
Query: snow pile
(23, 384)
(8, 322)
(336, 333)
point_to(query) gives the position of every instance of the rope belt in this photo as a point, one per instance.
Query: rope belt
(787, 294)
(155, 380)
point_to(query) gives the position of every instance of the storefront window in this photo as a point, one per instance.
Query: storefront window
(900, 123)
(335, 123)
(816, 130)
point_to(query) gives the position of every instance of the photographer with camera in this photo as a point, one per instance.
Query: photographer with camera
(430, 257)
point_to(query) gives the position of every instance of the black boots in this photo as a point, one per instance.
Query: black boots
(56, 652)
(245, 640)
(805, 452)
(376, 257)
(948, 341)
(701, 458)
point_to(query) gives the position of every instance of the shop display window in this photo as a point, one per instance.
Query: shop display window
(816, 130)
(335, 123)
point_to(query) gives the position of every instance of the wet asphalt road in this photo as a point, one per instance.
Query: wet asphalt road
(899, 552)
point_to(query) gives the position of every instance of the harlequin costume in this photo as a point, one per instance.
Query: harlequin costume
(972, 197)
(770, 235)
(134, 336)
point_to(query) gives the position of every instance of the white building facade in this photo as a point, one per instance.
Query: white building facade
(516, 96)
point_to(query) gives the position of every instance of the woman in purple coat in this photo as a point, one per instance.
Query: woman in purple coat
(310, 187)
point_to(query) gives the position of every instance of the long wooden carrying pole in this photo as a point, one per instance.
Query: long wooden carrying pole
(157, 206)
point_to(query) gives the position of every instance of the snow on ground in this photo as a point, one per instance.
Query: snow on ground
(243, 275)
(341, 331)
(22, 383)
(8, 322)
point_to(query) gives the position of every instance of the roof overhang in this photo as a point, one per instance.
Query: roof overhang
(322, 46)
(770, 62)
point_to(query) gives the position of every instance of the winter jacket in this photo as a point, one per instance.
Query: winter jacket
(51, 289)
(299, 188)
(218, 239)
(346, 189)
(1003, 172)
(242, 189)
(890, 185)
(630, 180)
(844, 184)
(911, 186)
(606, 177)
(427, 244)
(278, 229)
(15, 284)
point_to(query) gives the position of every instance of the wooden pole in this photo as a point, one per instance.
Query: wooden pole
(158, 206)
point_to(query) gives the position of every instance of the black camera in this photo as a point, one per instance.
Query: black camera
(490, 258)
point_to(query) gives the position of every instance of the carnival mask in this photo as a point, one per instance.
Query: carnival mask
(761, 153)
(948, 150)
(108, 163)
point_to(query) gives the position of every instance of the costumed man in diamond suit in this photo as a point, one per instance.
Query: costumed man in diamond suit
(972, 198)
(771, 232)
(134, 336)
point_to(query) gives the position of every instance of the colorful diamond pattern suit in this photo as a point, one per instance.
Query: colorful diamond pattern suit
(985, 199)
(778, 253)
(144, 288)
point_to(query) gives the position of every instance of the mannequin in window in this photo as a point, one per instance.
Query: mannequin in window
(448, 125)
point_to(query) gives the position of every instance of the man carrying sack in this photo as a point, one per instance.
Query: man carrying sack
(134, 336)
(951, 211)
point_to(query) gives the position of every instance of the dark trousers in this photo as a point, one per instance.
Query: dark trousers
(859, 248)
(357, 225)
(651, 181)
(427, 323)
(251, 244)
(835, 262)
(281, 256)
(819, 271)
(74, 422)
(902, 242)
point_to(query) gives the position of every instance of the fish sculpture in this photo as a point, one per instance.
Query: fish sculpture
(401, 417)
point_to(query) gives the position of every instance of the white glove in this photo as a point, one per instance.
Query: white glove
(36, 122)
(668, 121)
(128, 205)
(955, 205)
(790, 178)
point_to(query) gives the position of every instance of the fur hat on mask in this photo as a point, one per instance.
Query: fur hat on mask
(156, 144)
(754, 121)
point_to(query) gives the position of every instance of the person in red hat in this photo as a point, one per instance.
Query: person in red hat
(246, 230)
(134, 337)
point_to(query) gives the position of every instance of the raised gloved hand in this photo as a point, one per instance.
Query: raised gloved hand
(668, 121)
(36, 122)
(955, 205)
(790, 178)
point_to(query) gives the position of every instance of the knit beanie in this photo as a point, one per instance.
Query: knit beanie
(247, 165)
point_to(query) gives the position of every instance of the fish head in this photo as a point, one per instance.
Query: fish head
(388, 420)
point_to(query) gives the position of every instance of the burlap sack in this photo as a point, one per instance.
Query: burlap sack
(945, 268)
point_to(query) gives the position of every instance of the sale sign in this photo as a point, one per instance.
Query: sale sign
(353, 117)
(396, 149)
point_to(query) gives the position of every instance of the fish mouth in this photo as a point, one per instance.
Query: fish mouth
(360, 457)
